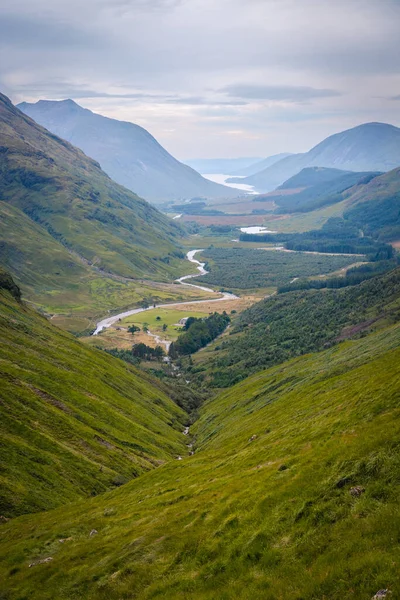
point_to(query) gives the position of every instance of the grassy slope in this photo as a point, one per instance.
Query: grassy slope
(375, 207)
(74, 421)
(295, 323)
(56, 281)
(262, 510)
(65, 196)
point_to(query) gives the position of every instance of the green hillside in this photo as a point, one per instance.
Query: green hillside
(74, 421)
(292, 493)
(287, 325)
(323, 187)
(64, 219)
(375, 207)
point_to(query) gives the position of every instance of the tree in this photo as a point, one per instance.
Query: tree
(139, 350)
(164, 327)
(133, 329)
(158, 353)
(158, 318)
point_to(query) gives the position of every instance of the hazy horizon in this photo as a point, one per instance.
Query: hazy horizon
(210, 79)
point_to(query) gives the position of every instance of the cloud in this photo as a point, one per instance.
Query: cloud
(285, 72)
(290, 93)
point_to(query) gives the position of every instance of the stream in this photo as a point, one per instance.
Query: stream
(108, 321)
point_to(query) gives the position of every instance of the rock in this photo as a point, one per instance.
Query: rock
(381, 594)
(356, 493)
(253, 437)
(42, 561)
(62, 540)
(93, 532)
(3, 519)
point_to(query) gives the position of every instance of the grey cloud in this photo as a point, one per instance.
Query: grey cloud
(63, 90)
(289, 93)
(30, 31)
(185, 65)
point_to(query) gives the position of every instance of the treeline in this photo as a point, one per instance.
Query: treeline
(354, 276)
(336, 237)
(198, 333)
(137, 353)
(196, 208)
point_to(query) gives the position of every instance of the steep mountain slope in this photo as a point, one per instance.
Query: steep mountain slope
(315, 187)
(74, 422)
(127, 152)
(312, 176)
(292, 493)
(368, 147)
(375, 207)
(63, 217)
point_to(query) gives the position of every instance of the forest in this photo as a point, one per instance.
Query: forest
(353, 276)
(242, 268)
(288, 325)
(198, 333)
(337, 235)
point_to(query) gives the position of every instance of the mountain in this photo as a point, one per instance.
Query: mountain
(311, 176)
(261, 165)
(375, 206)
(226, 166)
(126, 152)
(64, 220)
(292, 492)
(368, 147)
(74, 421)
(315, 187)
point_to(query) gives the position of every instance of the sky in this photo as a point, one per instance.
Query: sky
(210, 78)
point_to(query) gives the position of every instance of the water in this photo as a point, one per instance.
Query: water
(221, 178)
(256, 230)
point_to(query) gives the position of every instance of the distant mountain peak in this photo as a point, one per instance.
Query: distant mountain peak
(368, 147)
(127, 152)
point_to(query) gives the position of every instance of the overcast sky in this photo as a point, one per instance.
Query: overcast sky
(210, 78)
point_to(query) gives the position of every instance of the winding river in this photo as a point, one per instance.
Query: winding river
(107, 322)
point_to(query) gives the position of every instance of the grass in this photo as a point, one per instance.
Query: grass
(58, 283)
(262, 510)
(74, 421)
(69, 233)
(166, 316)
